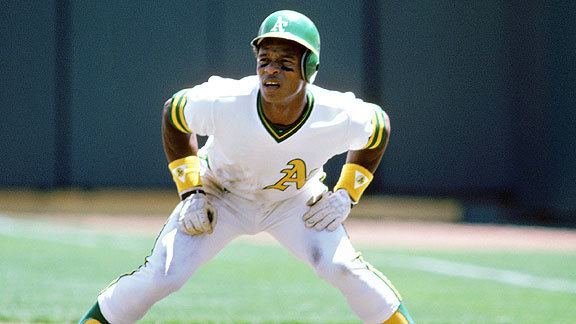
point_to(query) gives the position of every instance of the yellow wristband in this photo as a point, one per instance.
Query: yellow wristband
(355, 179)
(186, 173)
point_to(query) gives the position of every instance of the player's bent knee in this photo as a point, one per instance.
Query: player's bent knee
(333, 272)
(168, 282)
(171, 283)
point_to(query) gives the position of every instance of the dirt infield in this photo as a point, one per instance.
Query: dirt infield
(404, 222)
(369, 232)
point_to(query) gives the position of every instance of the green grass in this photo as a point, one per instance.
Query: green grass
(53, 274)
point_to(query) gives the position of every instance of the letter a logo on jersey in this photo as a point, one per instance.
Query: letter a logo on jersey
(279, 25)
(295, 174)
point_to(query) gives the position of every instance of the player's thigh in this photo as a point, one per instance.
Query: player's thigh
(308, 244)
(176, 251)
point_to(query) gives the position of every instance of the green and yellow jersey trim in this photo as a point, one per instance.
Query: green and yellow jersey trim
(177, 112)
(378, 129)
(281, 134)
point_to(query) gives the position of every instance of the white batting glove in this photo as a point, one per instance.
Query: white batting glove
(197, 215)
(328, 211)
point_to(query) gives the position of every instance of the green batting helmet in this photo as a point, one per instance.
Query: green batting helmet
(294, 26)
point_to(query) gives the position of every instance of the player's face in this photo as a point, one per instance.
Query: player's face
(278, 66)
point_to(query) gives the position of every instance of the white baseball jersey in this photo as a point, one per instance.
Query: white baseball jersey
(264, 170)
(249, 158)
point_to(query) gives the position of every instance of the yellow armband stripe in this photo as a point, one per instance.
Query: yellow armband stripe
(378, 127)
(177, 112)
(355, 179)
(186, 173)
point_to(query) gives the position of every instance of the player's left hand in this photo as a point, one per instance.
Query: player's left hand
(328, 211)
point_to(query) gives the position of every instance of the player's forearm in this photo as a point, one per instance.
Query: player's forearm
(369, 158)
(360, 166)
(176, 144)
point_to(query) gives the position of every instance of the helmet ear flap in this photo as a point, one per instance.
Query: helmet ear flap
(310, 64)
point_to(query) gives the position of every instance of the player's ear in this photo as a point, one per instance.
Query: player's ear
(255, 51)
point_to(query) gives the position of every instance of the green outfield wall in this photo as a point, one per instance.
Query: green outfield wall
(481, 94)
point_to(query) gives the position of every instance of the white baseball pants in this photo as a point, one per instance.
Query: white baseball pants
(176, 256)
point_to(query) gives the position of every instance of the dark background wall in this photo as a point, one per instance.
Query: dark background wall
(481, 94)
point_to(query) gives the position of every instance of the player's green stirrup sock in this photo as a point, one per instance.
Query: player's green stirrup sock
(93, 316)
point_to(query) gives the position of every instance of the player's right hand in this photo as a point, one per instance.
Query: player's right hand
(197, 215)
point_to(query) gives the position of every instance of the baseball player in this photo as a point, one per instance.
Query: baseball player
(261, 170)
